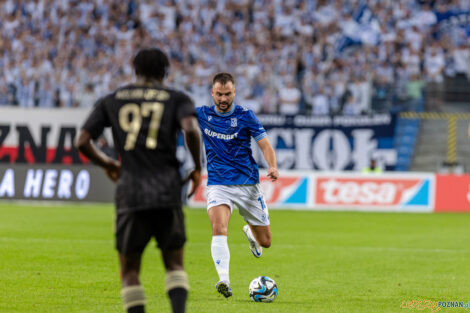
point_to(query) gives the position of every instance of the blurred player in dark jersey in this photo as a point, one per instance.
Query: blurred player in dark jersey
(145, 118)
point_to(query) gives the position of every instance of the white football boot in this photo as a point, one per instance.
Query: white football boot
(255, 248)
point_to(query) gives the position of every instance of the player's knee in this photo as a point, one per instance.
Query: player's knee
(219, 229)
(173, 259)
(265, 241)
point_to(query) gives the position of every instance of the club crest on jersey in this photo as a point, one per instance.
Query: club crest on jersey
(209, 118)
(233, 122)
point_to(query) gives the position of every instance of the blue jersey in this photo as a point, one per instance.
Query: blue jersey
(227, 140)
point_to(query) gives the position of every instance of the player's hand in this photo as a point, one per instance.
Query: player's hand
(195, 177)
(112, 169)
(273, 173)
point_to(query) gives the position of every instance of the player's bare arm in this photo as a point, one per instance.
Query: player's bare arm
(270, 157)
(85, 145)
(193, 138)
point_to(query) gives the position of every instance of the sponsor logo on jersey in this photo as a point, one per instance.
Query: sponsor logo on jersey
(217, 135)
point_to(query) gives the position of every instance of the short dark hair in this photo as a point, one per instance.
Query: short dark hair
(151, 63)
(223, 78)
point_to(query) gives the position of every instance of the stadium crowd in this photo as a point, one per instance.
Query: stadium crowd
(289, 57)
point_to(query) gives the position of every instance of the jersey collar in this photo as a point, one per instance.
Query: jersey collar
(224, 114)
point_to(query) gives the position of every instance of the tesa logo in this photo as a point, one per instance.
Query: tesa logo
(364, 191)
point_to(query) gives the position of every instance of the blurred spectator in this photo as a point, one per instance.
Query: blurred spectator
(461, 58)
(350, 107)
(373, 168)
(320, 103)
(46, 95)
(67, 96)
(382, 95)
(414, 90)
(289, 98)
(87, 98)
(434, 69)
(200, 92)
(252, 103)
(424, 17)
(434, 65)
(258, 87)
(24, 91)
(57, 102)
(4, 99)
(363, 86)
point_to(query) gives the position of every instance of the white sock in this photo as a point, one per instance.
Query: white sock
(221, 256)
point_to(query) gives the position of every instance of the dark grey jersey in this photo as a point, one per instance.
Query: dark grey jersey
(145, 122)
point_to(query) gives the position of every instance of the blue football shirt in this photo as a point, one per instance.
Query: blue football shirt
(227, 140)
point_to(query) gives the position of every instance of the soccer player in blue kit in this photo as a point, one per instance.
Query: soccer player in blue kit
(233, 176)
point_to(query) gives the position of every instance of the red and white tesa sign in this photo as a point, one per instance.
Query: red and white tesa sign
(372, 192)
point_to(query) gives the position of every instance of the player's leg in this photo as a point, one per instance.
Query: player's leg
(176, 280)
(131, 238)
(255, 212)
(169, 231)
(255, 248)
(262, 234)
(219, 217)
(132, 292)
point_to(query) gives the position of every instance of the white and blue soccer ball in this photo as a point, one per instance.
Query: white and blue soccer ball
(263, 289)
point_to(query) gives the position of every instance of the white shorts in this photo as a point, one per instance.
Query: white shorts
(248, 198)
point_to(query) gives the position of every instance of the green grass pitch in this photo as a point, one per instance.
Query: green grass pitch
(62, 259)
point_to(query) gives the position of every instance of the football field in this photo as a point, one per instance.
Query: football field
(62, 259)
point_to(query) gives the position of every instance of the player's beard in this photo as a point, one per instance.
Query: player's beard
(224, 106)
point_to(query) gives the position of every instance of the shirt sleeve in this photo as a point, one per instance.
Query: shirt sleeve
(184, 106)
(97, 120)
(254, 125)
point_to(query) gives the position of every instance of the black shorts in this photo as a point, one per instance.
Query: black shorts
(135, 229)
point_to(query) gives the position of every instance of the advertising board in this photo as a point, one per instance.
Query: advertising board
(387, 192)
(343, 191)
(452, 193)
(55, 183)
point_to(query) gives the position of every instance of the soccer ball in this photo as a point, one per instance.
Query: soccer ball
(263, 289)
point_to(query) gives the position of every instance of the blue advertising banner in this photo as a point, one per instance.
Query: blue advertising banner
(330, 142)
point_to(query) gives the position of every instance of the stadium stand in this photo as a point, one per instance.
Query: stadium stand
(406, 134)
(289, 57)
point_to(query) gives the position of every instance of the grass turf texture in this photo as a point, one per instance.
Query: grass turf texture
(62, 259)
